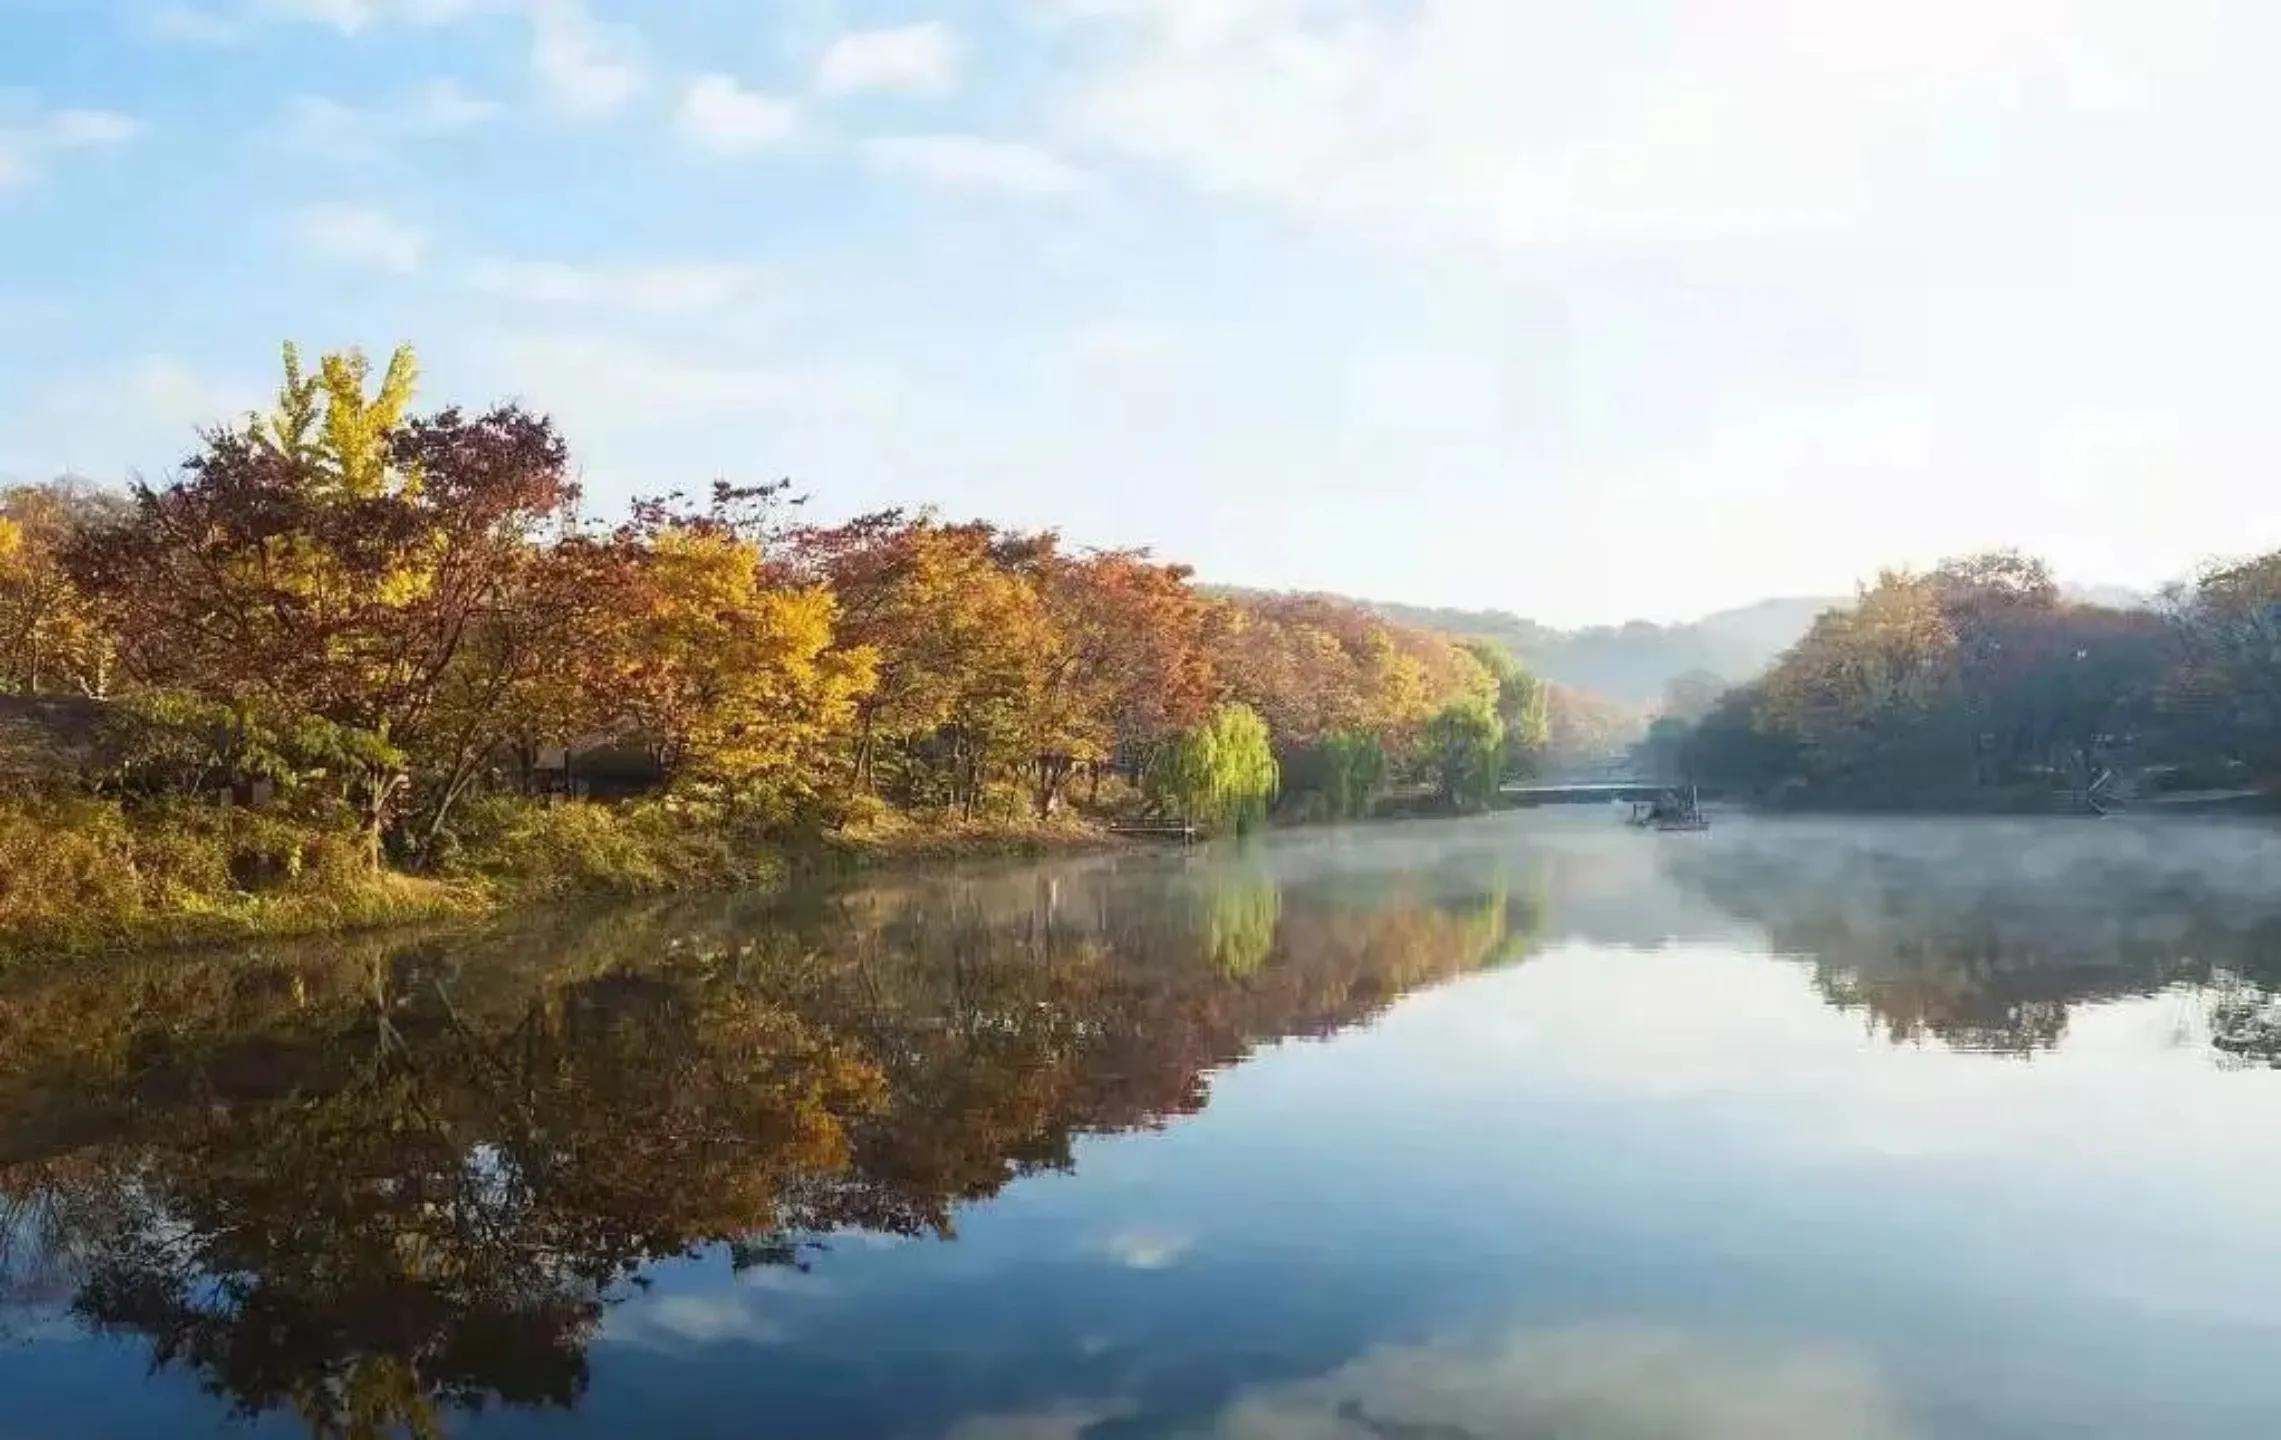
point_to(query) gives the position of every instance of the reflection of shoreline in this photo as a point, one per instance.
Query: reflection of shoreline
(1984, 935)
(427, 1170)
(430, 1169)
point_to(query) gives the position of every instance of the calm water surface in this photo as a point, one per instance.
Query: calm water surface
(1529, 1126)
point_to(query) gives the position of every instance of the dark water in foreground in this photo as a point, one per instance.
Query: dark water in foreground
(1529, 1126)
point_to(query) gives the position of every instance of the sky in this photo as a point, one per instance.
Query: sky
(1639, 308)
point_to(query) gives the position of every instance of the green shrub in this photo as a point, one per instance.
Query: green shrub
(80, 873)
(1464, 751)
(1338, 777)
(531, 848)
(1220, 773)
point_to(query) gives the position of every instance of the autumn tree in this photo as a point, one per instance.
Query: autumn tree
(1297, 677)
(1129, 668)
(2225, 696)
(1976, 677)
(1313, 664)
(724, 671)
(53, 636)
(1872, 690)
(961, 646)
(339, 558)
(1583, 730)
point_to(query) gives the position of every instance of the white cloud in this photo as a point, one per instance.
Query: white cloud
(224, 25)
(664, 288)
(347, 16)
(1543, 125)
(361, 235)
(80, 129)
(438, 108)
(614, 384)
(177, 392)
(442, 106)
(721, 116)
(1147, 1249)
(1427, 393)
(106, 423)
(584, 68)
(190, 25)
(354, 17)
(710, 1319)
(1590, 1382)
(971, 162)
(922, 60)
(587, 69)
(34, 136)
(1124, 345)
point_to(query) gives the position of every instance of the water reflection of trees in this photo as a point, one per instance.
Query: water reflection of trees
(369, 1182)
(1988, 939)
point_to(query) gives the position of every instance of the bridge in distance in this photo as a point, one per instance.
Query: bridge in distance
(1581, 792)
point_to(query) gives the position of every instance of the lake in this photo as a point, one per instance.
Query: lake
(1527, 1126)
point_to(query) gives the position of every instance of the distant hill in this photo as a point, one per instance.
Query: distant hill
(1633, 662)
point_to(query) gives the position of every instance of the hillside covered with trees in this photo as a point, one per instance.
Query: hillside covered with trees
(1636, 664)
(1631, 664)
(391, 645)
(1980, 684)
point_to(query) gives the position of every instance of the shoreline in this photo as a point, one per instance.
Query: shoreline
(395, 899)
(400, 900)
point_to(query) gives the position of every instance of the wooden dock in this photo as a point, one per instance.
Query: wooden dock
(1181, 831)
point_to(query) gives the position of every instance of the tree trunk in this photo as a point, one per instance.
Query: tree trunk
(380, 803)
(1053, 775)
(863, 753)
(452, 791)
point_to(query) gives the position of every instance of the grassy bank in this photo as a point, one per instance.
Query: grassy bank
(80, 875)
(892, 837)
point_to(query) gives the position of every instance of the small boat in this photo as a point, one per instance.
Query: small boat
(1674, 809)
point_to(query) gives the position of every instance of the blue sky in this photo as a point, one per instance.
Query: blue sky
(1582, 311)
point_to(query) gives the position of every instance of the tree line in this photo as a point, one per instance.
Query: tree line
(373, 614)
(1981, 682)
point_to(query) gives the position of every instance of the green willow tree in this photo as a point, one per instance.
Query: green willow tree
(1464, 751)
(1220, 773)
(1339, 777)
(1523, 703)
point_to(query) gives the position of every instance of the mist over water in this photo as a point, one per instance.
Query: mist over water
(1531, 1125)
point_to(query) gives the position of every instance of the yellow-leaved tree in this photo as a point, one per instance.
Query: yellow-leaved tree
(961, 646)
(341, 562)
(727, 675)
(52, 635)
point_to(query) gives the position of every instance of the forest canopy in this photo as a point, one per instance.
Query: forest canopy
(1980, 683)
(385, 622)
